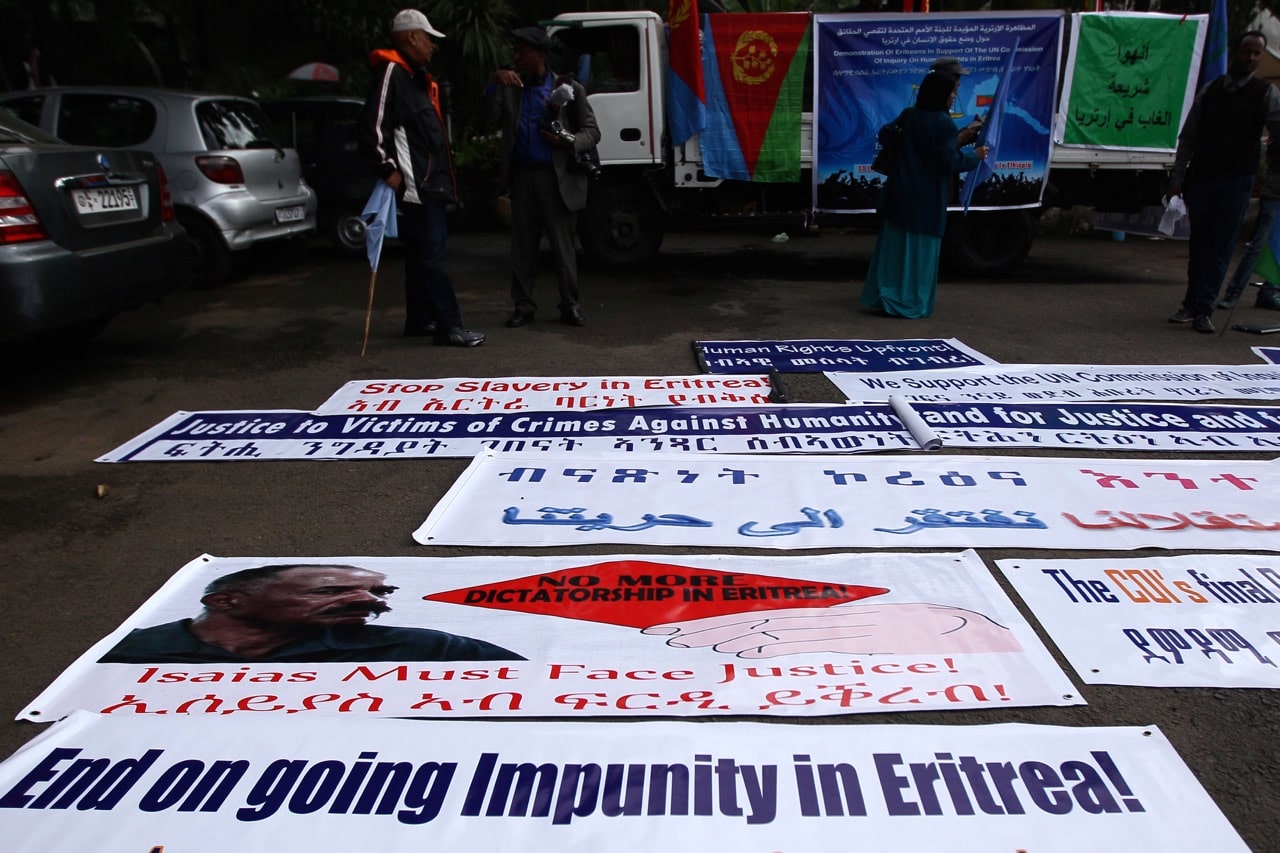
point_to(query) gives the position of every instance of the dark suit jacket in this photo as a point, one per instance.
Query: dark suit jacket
(504, 105)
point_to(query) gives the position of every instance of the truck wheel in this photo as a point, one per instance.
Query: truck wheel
(987, 242)
(621, 226)
(212, 264)
(347, 231)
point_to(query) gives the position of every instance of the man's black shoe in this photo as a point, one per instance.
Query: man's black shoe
(572, 316)
(518, 318)
(415, 331)
(1203, 324)
(1270, 303)
(459, 337)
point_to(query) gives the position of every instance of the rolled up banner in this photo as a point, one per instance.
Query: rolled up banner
(920, 431)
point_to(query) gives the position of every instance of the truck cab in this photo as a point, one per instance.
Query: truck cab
(620, 58)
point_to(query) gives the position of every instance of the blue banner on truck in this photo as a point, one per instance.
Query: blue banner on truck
(867, 69)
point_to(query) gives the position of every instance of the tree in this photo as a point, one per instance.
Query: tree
(478, 40)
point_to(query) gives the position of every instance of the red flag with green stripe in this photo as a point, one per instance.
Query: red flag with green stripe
(755, 94)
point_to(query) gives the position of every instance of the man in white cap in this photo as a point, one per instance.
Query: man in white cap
(403, 138)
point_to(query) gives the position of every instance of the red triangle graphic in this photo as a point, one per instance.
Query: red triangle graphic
(640, 593)
(753, 53)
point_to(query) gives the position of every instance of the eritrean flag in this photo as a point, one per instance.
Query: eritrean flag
(687, 101)
(754, 67)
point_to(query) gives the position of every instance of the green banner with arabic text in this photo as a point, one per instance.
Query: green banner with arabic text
(1128, 86)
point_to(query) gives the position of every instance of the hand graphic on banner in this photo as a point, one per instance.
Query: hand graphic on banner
(856, 629)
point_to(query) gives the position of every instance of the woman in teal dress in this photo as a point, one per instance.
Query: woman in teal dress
(903, 278)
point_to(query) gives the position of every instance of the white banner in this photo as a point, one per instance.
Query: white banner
(1198, 621)
(584, 636)
(542, 394)
(114, 785)
(860, 502)
(1039, 383)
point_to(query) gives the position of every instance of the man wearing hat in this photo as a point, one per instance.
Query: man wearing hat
(951, 66)
(540, 169)
(402, 136)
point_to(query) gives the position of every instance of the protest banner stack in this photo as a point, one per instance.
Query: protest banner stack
(269, 743)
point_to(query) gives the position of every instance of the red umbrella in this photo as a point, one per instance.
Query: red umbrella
(314, 71)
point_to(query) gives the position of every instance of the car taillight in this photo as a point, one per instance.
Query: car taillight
(166, 198)
(221, 170)
(18, 220)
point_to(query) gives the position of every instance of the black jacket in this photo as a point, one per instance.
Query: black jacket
(402, 130)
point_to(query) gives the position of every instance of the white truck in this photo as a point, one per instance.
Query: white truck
(647, 185)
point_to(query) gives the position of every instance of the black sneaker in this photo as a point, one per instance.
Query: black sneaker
(1203, 324)
(459, 337)
(1182, 315)
(1271, 303)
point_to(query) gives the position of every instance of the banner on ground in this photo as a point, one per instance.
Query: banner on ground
(237, 436)
(1169, 427)
(816, 356)
(1198, 621)
(263, 435)
(868, 68)
(780, 502)
(1131, 78)
(1039, 383)
(253, 784)
(542, 394)
(1271, 355)
(574, 637)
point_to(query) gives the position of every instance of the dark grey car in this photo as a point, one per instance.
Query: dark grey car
(84, 233)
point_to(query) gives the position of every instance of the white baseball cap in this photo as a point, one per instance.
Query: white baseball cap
(407, 20)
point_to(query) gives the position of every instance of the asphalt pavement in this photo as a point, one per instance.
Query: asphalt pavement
(83, 544)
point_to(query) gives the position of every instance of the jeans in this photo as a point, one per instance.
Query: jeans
(428, 291)
(1216, 208)
(1267, 208)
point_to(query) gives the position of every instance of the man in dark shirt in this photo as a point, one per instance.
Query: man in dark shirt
(1218, 152)
(296, 613)
(540, 169)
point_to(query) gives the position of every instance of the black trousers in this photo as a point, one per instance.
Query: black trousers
(537, 208)
(428, 290)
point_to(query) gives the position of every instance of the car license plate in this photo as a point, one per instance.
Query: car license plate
(104, 200)
(291, 214)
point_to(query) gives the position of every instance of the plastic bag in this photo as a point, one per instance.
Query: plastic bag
(1174, 210)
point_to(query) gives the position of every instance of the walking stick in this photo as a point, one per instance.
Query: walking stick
(368, 313)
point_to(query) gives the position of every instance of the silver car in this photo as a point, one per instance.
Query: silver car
(233, 185)
(84, 234)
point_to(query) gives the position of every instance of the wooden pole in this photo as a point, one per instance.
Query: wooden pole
(368, 313)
